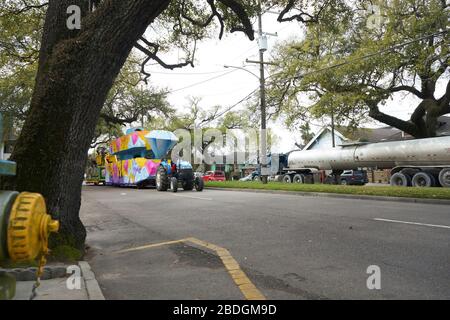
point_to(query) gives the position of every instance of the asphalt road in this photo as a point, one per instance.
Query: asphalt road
(289, 246)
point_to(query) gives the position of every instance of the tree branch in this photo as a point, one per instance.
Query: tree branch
(405, 126)
(115, 120)
(153, 55)
(214, 13)
(408, 89)
(96, 143)
(240, 12)
(394, 89)
(303, 16)
(196, 22)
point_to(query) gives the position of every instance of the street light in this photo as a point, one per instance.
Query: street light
(242, 68)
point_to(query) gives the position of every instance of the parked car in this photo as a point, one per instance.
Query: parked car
(358, 177)
(254, 176)
(214, 176)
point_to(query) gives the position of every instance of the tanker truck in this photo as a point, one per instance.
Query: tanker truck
(419, 163)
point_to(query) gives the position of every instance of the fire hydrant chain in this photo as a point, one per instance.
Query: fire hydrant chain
(39, 272)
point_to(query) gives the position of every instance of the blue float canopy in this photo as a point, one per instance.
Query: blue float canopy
(131, 130)
(161, 142)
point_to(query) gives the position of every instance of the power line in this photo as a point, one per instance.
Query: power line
(235, 105)
(254, 46)
(187, 73)
(201, 82)
(239, 102)
(228, 92)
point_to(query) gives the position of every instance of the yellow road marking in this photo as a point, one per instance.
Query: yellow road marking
(239, 277)
(151, 246)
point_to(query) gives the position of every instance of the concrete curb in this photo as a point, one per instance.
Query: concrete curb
(92, 287)
(29, 274)
(338, 195)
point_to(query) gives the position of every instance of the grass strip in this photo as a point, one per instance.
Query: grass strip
(385, 191)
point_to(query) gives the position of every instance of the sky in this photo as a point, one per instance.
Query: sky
(216, 85)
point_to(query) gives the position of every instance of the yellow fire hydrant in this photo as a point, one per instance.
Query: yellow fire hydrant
(25, 227)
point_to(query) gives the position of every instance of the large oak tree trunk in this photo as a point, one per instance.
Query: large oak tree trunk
(76, 71)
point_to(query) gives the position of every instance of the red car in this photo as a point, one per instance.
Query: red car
(214, 176)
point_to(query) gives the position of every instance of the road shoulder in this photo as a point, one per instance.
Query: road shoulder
(338, 195)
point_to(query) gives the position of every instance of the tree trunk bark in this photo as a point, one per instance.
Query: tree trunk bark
(76, 71)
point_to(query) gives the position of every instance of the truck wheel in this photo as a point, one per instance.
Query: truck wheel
(199, 184)
(299, 178)
(444, 177)
(423, 179)
(287, 178)
(344, 182)
(174, 184)
(162, 181)
(400, 180)
(409, 171)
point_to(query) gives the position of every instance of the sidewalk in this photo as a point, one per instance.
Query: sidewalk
(54, 289)
(57, 289)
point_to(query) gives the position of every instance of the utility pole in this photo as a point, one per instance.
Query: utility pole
(262, 78)
(332, 129)
(262, 41)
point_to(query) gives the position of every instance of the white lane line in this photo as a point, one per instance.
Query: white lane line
(192, 197)
(415, 223)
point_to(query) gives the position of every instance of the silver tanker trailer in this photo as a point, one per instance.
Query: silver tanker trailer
(421, 162)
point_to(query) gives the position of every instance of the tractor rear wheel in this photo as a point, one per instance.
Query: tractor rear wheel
(162, 180)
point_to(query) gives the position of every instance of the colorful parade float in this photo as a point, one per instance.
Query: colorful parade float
(95, 172)
(141, 158)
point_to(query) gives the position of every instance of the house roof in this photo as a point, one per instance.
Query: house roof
(320, 133)
(375, 134)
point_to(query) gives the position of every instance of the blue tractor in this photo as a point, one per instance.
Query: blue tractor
(172, 174)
